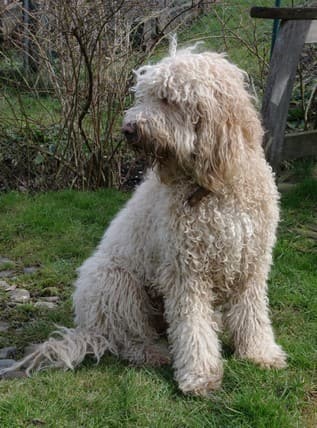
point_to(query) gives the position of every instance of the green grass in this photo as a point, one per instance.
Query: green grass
(56, 231)
(24, 100)
(20, 107)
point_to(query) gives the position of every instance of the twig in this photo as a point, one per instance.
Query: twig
(310, 102)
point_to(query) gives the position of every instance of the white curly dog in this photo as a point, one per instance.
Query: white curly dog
(195, 238)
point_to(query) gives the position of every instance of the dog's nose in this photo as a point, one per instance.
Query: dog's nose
(130, 131)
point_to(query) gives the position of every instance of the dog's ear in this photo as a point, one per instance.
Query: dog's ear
(227, 130)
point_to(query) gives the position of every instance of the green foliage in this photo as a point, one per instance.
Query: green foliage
(30, 155)
(20, 108)
(57, 231)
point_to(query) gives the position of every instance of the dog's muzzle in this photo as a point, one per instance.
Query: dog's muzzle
(134, 137)
(130, 132)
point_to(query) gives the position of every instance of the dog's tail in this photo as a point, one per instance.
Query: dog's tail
(65, 350)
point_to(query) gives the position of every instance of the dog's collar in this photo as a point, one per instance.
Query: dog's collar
(197, 195)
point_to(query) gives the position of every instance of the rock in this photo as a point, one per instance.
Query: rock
(31, 348)
(30, 269)
(4, 326)
(15, 374)
(6, 286)
(6, 363)
(51, 299)
(8, 352)
(45, 305)
(20, 295)
(11, 304)
(6, 273)
(5, 260)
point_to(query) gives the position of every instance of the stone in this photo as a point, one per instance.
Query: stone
(30, 269)
(5, 260)
(6, 363)
(11, 304)
(31, 348)
(45, 305)
(9, 351)
(6, 273)
(5, 286)
(4, 326)
(15, 374)
(20, 295)
(51, 299)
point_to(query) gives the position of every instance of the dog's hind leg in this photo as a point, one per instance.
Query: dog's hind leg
(115, 303)
(112, 314)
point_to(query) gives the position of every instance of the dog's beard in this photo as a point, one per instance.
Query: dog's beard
(152, 152)
(159, 154)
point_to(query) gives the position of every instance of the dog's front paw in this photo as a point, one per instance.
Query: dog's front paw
(271, 356)
(201, 385)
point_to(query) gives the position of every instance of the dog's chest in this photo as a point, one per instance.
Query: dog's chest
(213, 241)
(217, 242)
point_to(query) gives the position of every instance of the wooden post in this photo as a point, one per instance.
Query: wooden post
(297, 27)
(285, 13)
(286, 54)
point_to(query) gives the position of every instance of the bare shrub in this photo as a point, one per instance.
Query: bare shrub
(80, 54)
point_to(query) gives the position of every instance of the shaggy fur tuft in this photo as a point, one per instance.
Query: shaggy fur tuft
(196, 238)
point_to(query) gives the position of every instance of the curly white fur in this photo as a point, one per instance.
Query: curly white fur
(194, 115)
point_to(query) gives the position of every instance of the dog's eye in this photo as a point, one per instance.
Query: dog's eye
(164, 100)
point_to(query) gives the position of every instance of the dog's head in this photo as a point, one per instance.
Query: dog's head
(194, 109)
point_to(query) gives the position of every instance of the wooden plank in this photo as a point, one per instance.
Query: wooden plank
(300, 145)
(285, 57)
(294, 13)
(312, 33)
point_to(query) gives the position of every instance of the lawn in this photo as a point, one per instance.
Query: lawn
(55, 232)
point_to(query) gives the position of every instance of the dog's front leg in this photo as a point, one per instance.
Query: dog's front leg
(248, 321)
(192, 335)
